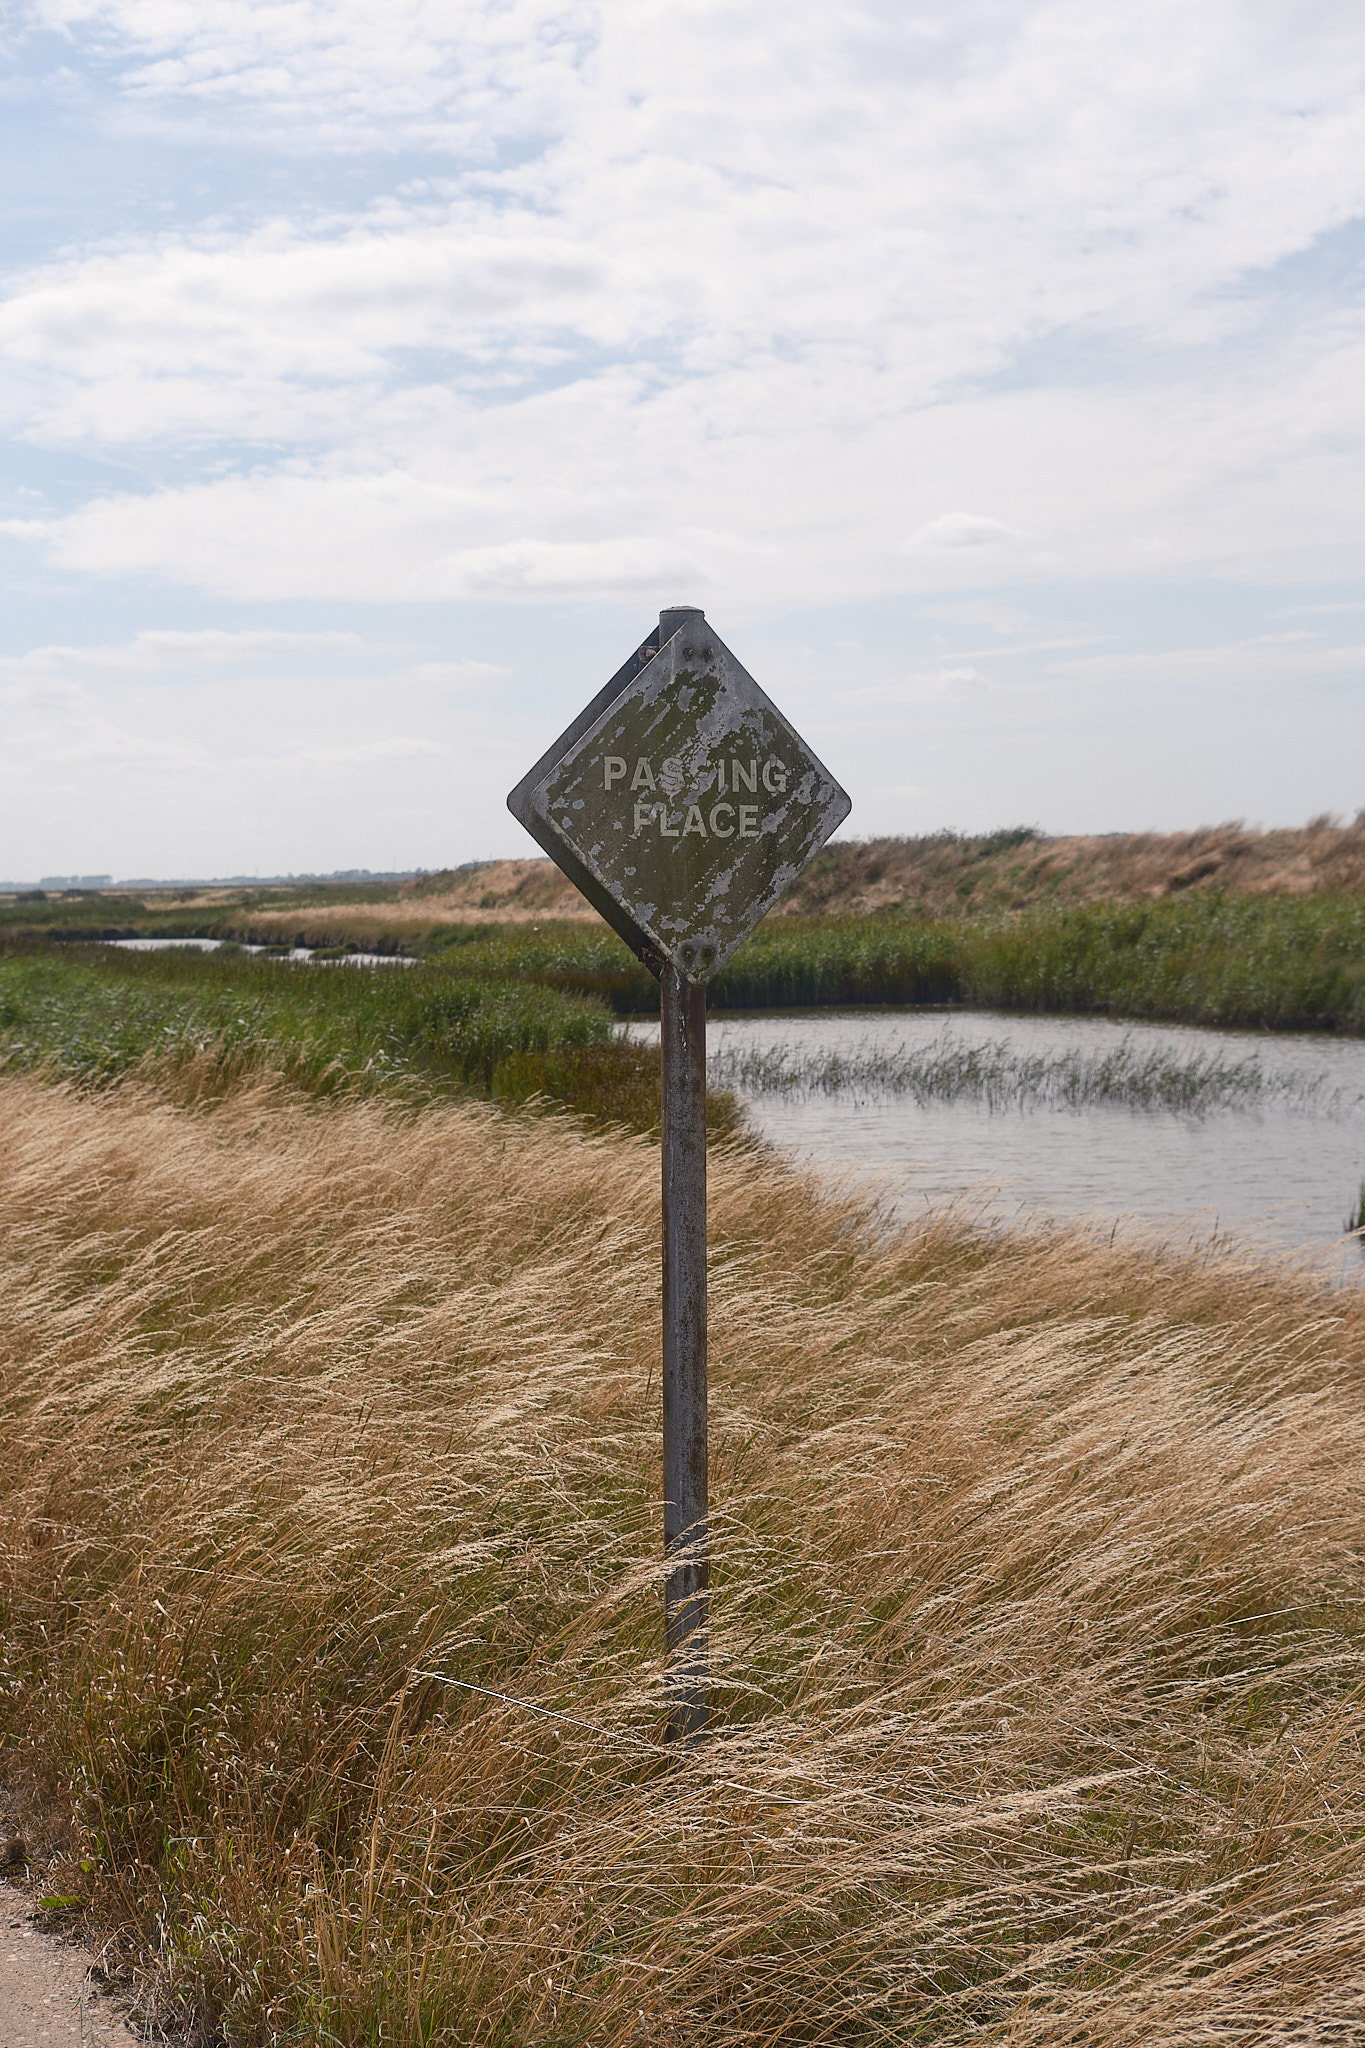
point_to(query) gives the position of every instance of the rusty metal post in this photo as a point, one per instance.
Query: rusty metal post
(682, 1006)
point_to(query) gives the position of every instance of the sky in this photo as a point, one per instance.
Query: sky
(991, 371)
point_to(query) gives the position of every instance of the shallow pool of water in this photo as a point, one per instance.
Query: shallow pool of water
(1282, 1171)
(294, 952)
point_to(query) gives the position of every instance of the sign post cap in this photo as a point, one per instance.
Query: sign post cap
(675, 617)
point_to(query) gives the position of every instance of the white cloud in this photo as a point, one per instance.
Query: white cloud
(894, 200)
(162, 651)
(568, 568)
(596, 489)
(771, 309)
(368, 537)
(956, 530)
(833, 276)
(343, 73)
(248, 335)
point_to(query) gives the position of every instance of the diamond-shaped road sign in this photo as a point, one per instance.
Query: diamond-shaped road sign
(680, 802)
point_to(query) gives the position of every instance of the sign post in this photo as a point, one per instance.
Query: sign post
(683, 806)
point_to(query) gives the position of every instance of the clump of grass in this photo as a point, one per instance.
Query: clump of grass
(1354, 1225)
(787, 963)
(615, 1083)
(996, 1073)
(330, 1599)
(94, 1016)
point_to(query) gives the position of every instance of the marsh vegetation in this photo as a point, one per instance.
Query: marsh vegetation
(329, 1577)
(330, 1582)
(1270, 962)
(1218, 927)
(1003, 1075)
(92, 1014)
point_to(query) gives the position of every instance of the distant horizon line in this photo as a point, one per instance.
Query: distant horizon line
(85, 882)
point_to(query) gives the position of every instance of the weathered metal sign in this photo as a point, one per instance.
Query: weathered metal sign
(683, 805)
(681, 802)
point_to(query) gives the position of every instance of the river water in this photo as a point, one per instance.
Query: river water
(1276, 1162)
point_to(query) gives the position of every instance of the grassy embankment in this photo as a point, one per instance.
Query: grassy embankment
(947, 872)
(329, 1600)
(941, 874)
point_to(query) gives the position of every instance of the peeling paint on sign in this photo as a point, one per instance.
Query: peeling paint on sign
(681, 802)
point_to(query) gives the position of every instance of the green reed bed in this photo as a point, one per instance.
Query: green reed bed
(1281, 963)
(526, 1011)
(92, 1014)
(790, 963)
(998, 1075)
(1274, 962)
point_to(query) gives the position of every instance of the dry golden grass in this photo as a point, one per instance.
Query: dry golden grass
(1036, 1614)
(493, 892)
(938, 875)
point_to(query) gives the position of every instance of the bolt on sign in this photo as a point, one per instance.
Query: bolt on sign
(681, 803)
(683, 806)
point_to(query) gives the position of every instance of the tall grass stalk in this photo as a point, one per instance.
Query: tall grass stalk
(329, 1547)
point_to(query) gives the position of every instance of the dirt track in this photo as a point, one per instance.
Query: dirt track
(51, 1991)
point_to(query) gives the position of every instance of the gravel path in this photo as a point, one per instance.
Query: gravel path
(48, 1994)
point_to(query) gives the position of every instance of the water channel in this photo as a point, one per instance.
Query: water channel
(275, 952)
(1269, 1149)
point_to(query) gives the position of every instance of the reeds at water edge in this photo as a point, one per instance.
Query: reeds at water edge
(998, 1074)
(330, 1582)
